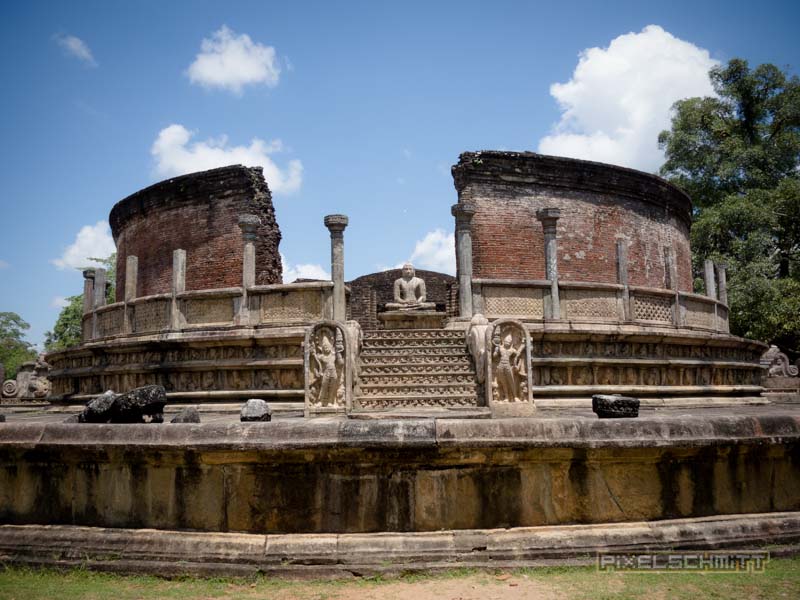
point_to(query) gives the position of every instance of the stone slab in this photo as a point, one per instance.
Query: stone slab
(412, 319)
(345, 555)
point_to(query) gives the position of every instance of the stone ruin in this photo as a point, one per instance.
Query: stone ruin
(588, 265)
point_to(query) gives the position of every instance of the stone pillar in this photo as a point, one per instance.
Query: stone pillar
(463, 214)
(249, 225)
(336, 225)
(178, 286)
(131, 283)
(99, 288)
(88, 290)
(98, 298)
(722, 282)
(549, 218)
(622, 278)
(711, 287)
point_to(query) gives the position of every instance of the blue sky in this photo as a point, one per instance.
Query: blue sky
(357, 107)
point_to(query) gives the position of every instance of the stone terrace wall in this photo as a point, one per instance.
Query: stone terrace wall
(368, 291)
(599, 204)
(199, 213)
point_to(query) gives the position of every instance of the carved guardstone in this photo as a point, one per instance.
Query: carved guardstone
(328, 369)
(508, 380)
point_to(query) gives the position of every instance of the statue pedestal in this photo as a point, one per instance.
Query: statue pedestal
(412, 319)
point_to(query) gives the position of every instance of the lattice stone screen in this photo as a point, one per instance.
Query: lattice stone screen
(648, 307)
(513, 301)
(208, 310)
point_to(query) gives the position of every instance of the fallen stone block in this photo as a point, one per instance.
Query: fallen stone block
(188, 415)
(142, 405)
(98, 410)
(255, 409)
(615, 407)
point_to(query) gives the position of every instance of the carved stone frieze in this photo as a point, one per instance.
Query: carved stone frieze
(591, 304)
(296, 306)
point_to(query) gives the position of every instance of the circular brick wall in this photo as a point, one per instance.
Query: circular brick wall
(599, 205)
(198, 213)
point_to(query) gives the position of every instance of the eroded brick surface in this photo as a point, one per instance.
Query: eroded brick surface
(198, 213)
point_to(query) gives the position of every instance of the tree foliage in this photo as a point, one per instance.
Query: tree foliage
(738, 156)
(14, 350)
(67, 330)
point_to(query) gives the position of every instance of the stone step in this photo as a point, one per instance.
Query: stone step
(420, 389)
(413, 345)
(412, 368)
(410, 334)
(378, 402)
(416, 379)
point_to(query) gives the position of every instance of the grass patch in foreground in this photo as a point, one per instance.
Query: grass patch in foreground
(780, 580)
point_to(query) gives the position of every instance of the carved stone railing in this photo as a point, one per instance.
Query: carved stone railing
(530, 300)
(266, 306)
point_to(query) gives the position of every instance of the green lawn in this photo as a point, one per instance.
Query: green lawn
(780, 580)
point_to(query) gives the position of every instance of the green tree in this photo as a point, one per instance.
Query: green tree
(67, 330)
(738, 156)
(14, 350)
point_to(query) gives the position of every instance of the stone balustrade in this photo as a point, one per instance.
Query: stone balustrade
(529, 300)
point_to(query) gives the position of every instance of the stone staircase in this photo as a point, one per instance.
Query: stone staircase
(415, 368)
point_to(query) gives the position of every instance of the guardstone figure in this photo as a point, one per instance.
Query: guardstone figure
(327, 368)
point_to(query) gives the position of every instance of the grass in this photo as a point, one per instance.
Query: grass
(780, 580)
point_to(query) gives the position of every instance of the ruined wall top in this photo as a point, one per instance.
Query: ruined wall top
(569, 173)
(198, 213)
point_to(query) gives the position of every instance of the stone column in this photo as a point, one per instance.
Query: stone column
(722, 282)
(549, 218)
(622, 278)
(711, 287)
(178, 286)
(88, 290)
(463, 214)
(131, 277)
(249, 226)
(98, 299)
(336, 225)
(131, 283)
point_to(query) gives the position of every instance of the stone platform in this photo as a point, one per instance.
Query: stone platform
(344, 494)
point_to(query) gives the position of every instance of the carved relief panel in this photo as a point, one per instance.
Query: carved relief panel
(328, 372)
(509, 351)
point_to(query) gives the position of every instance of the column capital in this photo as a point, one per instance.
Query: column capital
(463, 212)
(548, 216)
(89, 273)
(336, 223)
(249, 225)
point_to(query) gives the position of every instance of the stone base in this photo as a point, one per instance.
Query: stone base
(170, 553)
(412, 319)
(511, 409)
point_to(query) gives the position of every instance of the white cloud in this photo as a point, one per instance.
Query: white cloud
(59, 302)
(175, 156)
(4, 264)
(230, 61)
(92, 241)
(306, 271)
(75, 46)
(619, 98)
(436, 252)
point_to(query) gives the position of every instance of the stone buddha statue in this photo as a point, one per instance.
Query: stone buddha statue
(409, 292)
